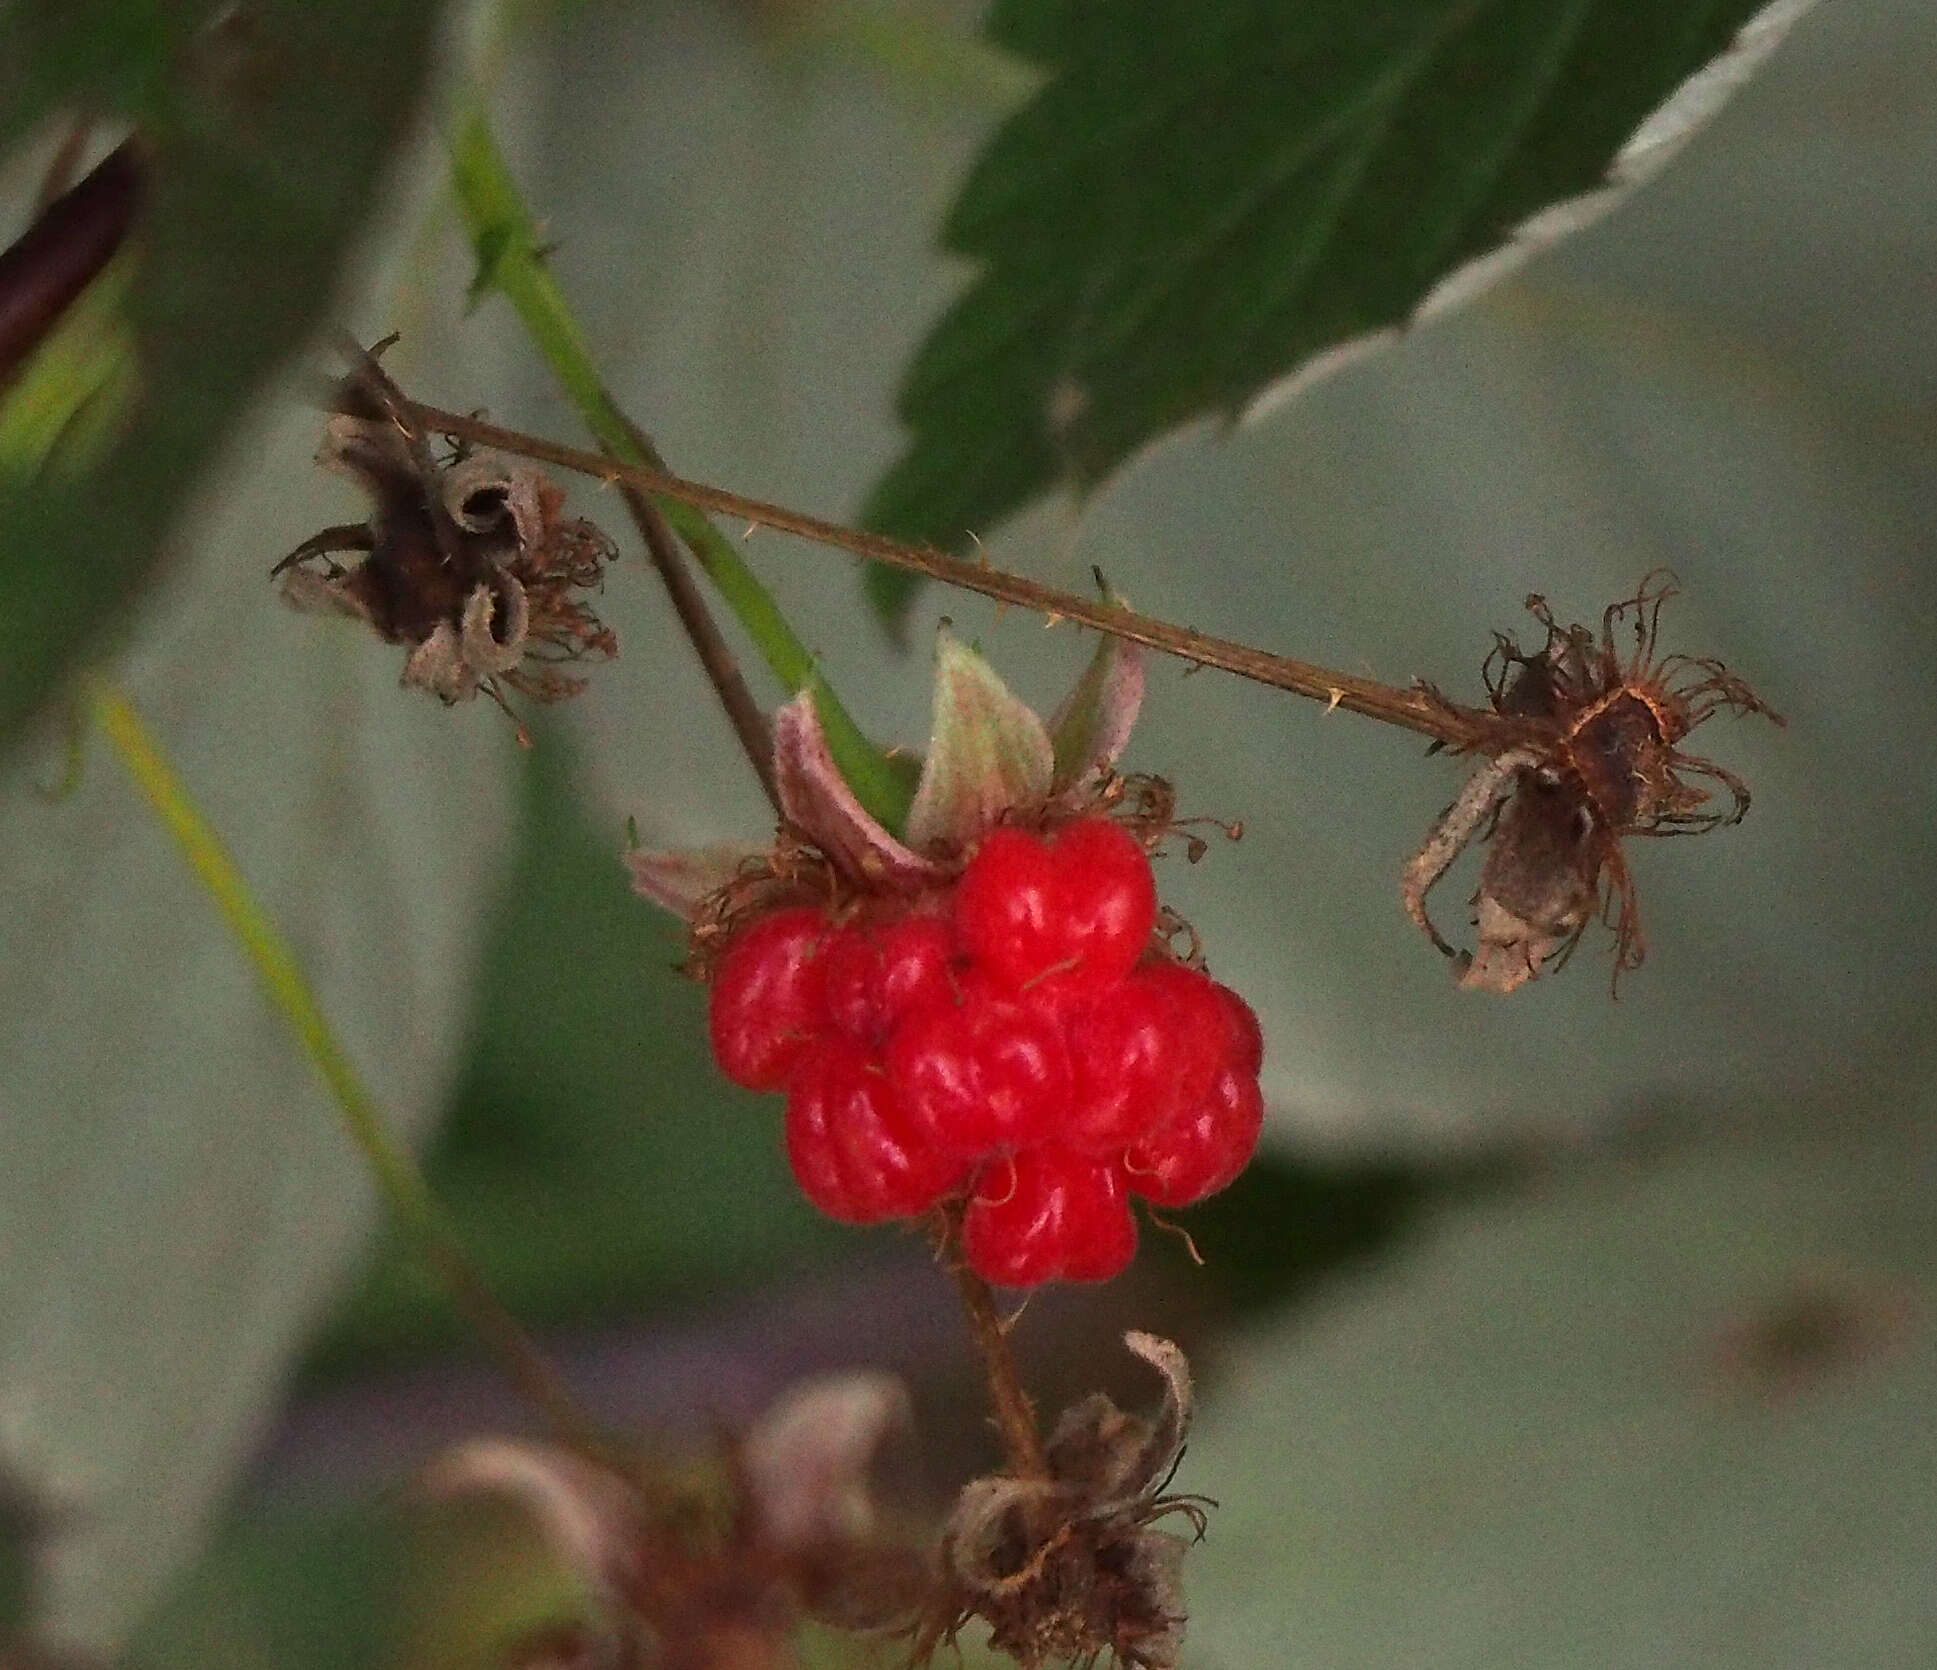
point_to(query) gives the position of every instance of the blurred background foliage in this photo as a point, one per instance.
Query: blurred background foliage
(1543, 1332)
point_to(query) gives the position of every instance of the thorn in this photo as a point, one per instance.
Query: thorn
(752, 528)
(1337, 697)
(1051, 619)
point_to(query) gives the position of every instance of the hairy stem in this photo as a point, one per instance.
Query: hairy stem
(1015, 1414)
(1416, 708)
(511, 260)
(391, 1166)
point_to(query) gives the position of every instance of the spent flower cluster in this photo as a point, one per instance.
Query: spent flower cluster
(472, 564)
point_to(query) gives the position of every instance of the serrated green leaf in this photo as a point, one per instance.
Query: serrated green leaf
(1208, 193)
(265, 146)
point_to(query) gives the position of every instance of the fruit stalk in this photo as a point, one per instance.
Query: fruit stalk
(1015, 1414)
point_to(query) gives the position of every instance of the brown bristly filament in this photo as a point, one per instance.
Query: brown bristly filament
(1417, 709)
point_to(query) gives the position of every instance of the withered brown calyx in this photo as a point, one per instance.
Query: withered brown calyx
(470, 562)
(1071, 1567)
(1582, 752)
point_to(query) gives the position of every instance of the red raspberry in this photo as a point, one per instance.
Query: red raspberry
(1143, 1049)
(983, 1073)
(852, 1149)
(1083, 902)
(879, 972)
(1046, 1214)
(1245, 1050)
(1204, 1032)
(1202, 1149)
(768, 1003)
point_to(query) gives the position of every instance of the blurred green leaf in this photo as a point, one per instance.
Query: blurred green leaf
(595, 1161)
(1208, 193)
(111, 51)
(291, 1588)
(73, 393)
(188, 1193)
(268, 128)
(1667, 1406)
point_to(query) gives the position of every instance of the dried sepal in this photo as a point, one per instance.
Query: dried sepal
(1539, 887)
(806, 1464)
(1089, 732)
(589, 1517)
(472, 565)
(682, 880)
(1070, 1566)
(809, 1502)
(1116, 1458)
(817, 802)
(987, 753)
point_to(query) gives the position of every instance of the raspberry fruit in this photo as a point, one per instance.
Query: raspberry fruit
(877, 973)
(1144, 1049)
(852, 1150)
(1246, 1047)
(977, 1009)
(1081, 903)
(769, 1001)
(1204, 1148)
(1020, 1040)
(1048, 1213)
(983, 1073)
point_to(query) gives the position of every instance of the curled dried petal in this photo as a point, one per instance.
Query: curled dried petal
(588, 1516)
(806, 1463)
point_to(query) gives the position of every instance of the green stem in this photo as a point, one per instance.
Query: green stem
(394, 1170)
(511, 260)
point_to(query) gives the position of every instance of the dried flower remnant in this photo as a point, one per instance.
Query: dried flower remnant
(719, 1563)
(470, 563)
(1583, 753)
(1070, 1566)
